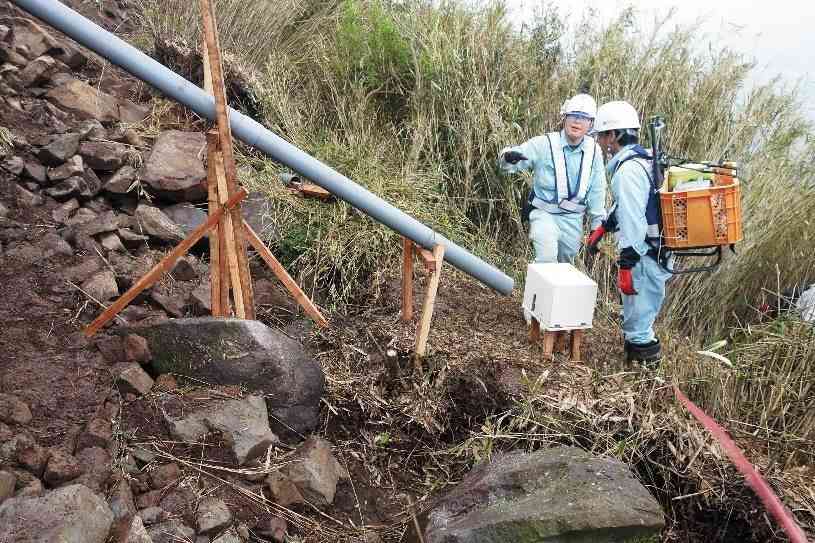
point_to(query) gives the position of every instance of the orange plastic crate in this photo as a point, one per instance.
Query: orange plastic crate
(701, 218)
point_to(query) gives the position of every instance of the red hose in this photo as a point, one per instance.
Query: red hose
(752, 477)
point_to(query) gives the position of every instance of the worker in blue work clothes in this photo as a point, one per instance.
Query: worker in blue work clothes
(635, 216)
(568, 181)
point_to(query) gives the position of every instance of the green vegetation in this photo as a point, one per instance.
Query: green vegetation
(414, 100)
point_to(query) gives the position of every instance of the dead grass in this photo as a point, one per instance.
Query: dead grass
(486, 390)
(6, 140)
(421, 127)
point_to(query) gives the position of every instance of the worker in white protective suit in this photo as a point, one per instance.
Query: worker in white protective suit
(568, 181)
(635, 217)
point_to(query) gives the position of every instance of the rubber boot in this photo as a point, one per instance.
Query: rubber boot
(647, 354)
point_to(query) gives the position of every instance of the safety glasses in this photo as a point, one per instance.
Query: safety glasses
(579, 118)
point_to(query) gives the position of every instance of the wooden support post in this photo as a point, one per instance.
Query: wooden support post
(223, 251)
(577, 338)
(428, 259)
(225, 137)
(281, 273)
(219, 269)
(231, 261)
(428, 306)
(407, 279)
(548, 344)
(216, 292)
(562, 341)
(164, 265)
(534, 331)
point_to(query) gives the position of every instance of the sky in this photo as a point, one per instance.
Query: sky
(779, 34)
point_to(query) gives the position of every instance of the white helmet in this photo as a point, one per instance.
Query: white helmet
(581, 104)
(617, 115)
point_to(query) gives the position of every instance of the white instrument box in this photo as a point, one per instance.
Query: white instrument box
(560, 296)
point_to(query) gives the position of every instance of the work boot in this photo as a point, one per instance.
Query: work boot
(648, 354)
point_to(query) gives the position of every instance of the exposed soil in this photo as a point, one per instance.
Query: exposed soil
(45, 362)
(45, 359)
(394, 430)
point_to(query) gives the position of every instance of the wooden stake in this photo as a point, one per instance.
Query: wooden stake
(223, 251)
(577, 339)
(429, 304)
(216, 301)
(561, 341)
(212, 147)
(548, 343)
(225, 137)
(231, 260)
(534, 331)
(164, 265)
(407, 279)
(281, 273)
(428, 260)
(219, 271)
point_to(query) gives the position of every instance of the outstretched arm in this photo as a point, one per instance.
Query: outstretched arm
(529, 152)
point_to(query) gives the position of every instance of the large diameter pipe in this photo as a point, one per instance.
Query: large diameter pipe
(256, 135)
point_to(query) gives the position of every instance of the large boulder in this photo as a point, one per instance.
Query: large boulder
(556, 495)
(72, 514)
(174, 170)
(244, 352)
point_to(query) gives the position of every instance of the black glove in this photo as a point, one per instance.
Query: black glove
(628, 258)
(610, 224)
(514, 157)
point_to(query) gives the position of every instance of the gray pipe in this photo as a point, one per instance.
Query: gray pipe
(256, 135)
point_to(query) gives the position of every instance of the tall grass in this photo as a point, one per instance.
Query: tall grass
(765, 390)
(394, 92)
(250, 30)
(414, 99)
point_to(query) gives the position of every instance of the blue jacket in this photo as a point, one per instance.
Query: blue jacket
(539, 161)
(631, 190)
